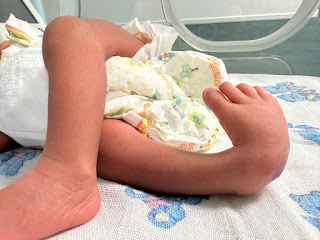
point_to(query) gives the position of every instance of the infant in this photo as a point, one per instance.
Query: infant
(61, 190)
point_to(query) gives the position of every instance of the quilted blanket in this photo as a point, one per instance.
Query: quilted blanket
(288, 208)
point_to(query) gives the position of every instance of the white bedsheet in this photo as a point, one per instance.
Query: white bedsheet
(288, 208)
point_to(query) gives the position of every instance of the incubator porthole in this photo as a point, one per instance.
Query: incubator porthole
(252, 18)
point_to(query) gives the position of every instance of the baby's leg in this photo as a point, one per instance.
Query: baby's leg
(253, 120)
(61, 191)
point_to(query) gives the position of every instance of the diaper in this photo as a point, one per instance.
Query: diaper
(162, 98)
(21, 31)
(158, 91)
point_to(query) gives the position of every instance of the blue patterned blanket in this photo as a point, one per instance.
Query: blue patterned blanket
(288, 208)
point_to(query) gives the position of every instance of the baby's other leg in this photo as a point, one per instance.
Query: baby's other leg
(253, 120)
(256, 125)
(128, 157)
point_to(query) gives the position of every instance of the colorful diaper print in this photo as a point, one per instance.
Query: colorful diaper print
(309, 133)
(21, 31)
(289, 92)
(165, 211)
(310, 203)
(12, 161)
(163, 97)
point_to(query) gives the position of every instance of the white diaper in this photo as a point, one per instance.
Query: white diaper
(163, 98)
(23, 95)
(159, 95)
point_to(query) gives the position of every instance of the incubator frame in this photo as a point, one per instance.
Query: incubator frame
(300, 18)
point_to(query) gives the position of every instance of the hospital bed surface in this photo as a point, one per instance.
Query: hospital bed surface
(288, 208)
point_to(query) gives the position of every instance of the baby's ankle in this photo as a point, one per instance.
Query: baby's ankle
(251, 170)
(76, 169)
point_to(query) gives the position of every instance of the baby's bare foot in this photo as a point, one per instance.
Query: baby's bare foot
(48, 199)
(256, 125)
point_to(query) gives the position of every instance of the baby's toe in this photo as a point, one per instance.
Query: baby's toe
(248, 90)
(216, 101)
(232, 93)
(262, 92)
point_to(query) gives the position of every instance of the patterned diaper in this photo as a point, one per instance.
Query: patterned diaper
(162, 98)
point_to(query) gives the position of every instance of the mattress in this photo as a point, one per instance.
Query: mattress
(288, 208)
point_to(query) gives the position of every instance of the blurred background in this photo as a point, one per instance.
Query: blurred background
(217, 20)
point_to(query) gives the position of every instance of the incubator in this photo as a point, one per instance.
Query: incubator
(250, 37)
(268, 43)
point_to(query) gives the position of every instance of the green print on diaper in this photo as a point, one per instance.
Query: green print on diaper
(119, 112)
(136, 64)
(187, 71)
(156, 95)
(176, 80)
(177, 100)
(198, 118)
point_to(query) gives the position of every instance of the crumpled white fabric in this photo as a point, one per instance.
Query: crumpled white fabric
(168, 108)
(163, 98)
(21, 31)
(23, 95)
(160, 91)
(158, 38)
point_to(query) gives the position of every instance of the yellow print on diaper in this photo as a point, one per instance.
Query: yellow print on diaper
(136, 64)
(142, 125)
(208, 144)
(15, 32)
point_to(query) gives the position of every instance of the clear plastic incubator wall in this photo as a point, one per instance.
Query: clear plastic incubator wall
(267, 37)
(273, 44)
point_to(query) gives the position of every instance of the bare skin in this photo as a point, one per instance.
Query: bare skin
(4, 45)
(61, 191)
(259, 154)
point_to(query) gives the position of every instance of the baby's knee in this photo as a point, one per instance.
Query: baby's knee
(65, 28)
(64, 24)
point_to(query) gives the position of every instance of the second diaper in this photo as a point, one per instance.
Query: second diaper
(163, 98)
